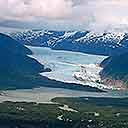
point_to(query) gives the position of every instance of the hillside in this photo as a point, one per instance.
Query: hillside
(115, 70)
(80, 41)
(16, 67)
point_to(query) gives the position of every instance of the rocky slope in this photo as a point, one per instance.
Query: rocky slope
(115, 70)
(82, 41)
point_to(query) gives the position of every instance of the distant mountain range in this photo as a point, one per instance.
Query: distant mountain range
(80, 41)
(18, 70)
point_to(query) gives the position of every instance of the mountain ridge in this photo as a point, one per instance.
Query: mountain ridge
(80, 41)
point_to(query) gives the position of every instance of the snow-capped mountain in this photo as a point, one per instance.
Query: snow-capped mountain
(81, 41)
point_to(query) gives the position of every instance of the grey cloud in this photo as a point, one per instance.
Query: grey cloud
(91, 14)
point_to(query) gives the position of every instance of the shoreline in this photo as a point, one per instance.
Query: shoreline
(44, 94)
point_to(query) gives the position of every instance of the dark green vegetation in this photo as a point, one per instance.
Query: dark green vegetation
(116, 68)
(17, 70)
(92, 113)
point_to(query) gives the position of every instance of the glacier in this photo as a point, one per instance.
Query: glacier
(65, 64)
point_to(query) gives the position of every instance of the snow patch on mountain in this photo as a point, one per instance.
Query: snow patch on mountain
(80, 41)
(68, 34)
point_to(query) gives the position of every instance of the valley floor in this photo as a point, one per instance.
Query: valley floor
(83, 112)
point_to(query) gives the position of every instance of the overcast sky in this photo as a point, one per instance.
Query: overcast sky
(65, 14)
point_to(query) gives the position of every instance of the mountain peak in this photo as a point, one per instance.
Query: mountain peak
(106, 43)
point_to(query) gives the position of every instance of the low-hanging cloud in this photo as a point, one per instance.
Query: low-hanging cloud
(28, 9)
(92, 14)
(103, 14)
